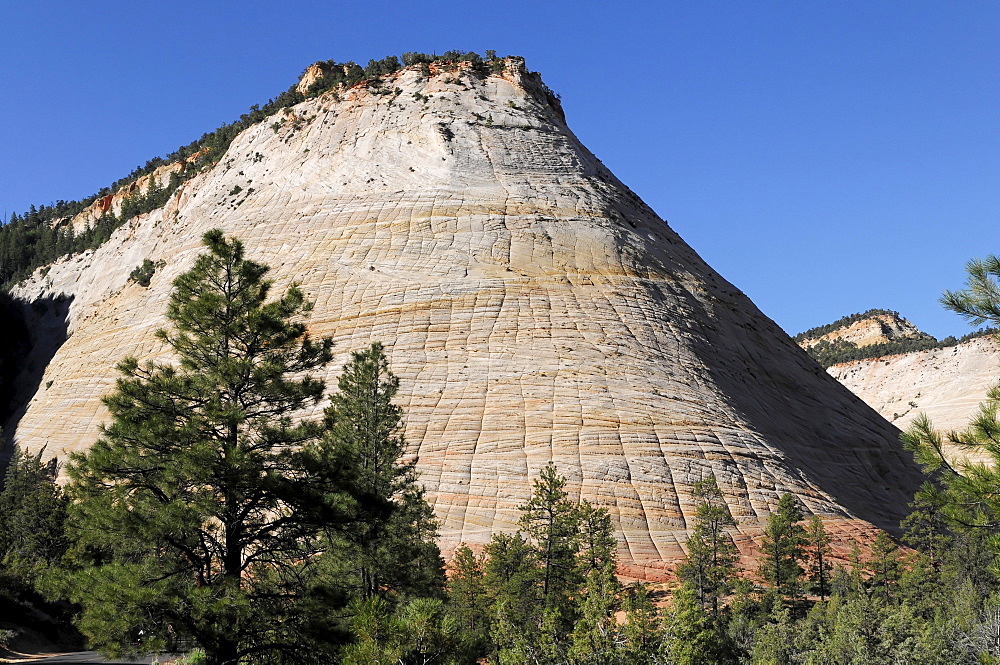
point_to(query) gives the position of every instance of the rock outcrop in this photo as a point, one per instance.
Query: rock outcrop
(534, 308)
(879, 328)
(313, 73)
(113, 203)
(947, 384)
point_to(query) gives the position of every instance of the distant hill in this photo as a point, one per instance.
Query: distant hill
(901, 371)
(871, 334)
(947, 382)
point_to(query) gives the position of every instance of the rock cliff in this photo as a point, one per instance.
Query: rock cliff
(534, 308)
(947, 384)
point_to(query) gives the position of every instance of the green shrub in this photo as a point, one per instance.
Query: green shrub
(7, 637)
(142, 274)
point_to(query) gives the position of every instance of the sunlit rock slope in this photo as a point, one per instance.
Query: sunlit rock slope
(534, 307)
(947, 384)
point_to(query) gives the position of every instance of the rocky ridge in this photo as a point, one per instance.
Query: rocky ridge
(946, 382)
(534, 308)
(878, 328)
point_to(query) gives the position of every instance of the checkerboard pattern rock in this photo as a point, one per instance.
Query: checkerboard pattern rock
(534, 308)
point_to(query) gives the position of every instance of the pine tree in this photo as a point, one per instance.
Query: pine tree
(690, 637)
(818, 549)
(925, 528)
(594, 638)
(595, 634)
(884, 567)
(782, 544)
(710, 565)
(189, 511)
(967, 493)
(641, 634)
(512, 576)
(596, 544)
(389, 548)
(550, 521)
(32, 518)
(979, 302)
(537, 583)
(467, 593)
(419, 632)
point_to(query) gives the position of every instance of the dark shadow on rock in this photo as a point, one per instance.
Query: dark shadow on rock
(827, 435)
(37, 330)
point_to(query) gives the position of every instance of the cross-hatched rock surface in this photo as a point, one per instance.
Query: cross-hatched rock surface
(534, 308)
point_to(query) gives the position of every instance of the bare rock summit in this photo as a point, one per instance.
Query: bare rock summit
(534, 308)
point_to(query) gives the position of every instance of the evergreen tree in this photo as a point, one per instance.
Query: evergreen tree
(817, 545)
(512, 578)
(774, 643)
(389, 547)
(553, 596)
(925, 528)
(690, 636)
(594, 638)
(550, 521)
(979, 302)
(884, 567)
(32, 518)
(968, 493)
(596, 544)
(641, 635)
(511, 575)
(595, 633)
(783, 547)
(189, 510)
(710, 566)
(467, 593)
(419, 632)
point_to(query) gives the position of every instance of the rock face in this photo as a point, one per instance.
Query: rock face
(113, 203)
(947, 384)
(313, 73)
(534, 308)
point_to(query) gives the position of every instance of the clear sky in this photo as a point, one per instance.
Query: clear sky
(825, 157)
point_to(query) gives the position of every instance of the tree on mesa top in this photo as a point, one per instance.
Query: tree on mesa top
(198, 513)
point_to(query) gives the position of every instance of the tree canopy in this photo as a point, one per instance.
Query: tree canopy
(187, 511)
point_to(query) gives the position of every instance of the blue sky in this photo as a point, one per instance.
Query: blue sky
(825, 157)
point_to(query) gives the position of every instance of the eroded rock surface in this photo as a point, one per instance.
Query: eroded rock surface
(947, 384)
(534, 308)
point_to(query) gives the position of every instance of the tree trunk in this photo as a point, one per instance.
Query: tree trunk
(226, 653)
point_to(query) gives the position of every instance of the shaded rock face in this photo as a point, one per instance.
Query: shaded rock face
(534, 308)
(16, 345)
